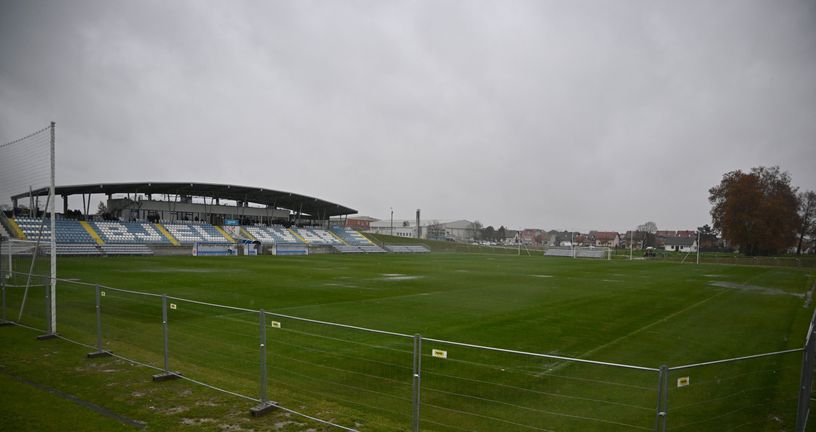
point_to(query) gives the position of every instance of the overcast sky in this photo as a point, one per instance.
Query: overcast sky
(550, 114)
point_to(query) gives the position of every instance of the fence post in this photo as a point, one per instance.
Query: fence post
(265, 405)
(806, 378)
(417, 381)
(662, 398)
(167, 375)
(99, 351)
(49, 333)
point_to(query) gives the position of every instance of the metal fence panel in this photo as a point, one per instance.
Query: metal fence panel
(745, 395)
(131, 325)
(361, 379)
(76, 304)
(215, 345)
(26, 301)
(475, 389)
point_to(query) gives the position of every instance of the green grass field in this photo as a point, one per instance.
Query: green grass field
(642, 313)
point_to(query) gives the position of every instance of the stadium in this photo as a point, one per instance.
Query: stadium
(216, 217)
(200, 306)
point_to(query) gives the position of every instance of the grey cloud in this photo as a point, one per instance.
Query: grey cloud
(530, 114)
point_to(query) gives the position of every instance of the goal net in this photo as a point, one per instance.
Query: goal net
(27, 174)
(579, 252)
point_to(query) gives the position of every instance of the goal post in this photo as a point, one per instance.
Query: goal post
(27, 172)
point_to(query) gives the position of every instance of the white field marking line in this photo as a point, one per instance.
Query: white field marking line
(639, 330)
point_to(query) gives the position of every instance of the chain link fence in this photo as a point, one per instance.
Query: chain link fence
(358, 379)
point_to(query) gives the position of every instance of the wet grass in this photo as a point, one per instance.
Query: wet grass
(643, 313)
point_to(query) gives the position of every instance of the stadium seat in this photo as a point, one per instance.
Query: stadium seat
(317, 236)
(189, 233)
(275, 234)
(68, 231)
(129, 232)
(351, 236)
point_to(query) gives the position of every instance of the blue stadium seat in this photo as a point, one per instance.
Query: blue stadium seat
(129, 232)
(351, 236)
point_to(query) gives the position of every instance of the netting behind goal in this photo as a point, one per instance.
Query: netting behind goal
(579, 252)
(27, 176)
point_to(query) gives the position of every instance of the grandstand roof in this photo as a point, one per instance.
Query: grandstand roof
(287, 200)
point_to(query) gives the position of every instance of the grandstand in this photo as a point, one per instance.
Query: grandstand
(191, 214)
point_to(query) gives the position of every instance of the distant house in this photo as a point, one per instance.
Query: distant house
(637, 238)
(531, 236)
(680, 244)
(359, 223)
(604, 238)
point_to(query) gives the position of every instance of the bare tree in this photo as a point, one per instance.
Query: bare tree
(649, 227)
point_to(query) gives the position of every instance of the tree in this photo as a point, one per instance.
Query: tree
(489, 233)
(756, 211)
(648, 227)
(708, 237)
(807, 213)
(475, 230)
(101, 209)
(501, 233)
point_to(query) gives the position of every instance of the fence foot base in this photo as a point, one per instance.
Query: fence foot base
(99, 354)
(5, 323)
(167, 376)
(263, 408)
(47, 336)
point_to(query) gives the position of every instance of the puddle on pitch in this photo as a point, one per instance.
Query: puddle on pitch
(753, 288)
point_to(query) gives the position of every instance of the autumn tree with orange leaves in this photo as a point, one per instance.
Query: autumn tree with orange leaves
(757, 211)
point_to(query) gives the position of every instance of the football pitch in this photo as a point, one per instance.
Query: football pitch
(628, 313)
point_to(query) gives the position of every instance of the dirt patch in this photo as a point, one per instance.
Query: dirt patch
(176, 410)
(196, 421)
(753, 288)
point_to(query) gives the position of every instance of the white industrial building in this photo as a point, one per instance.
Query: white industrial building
(460, 230)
